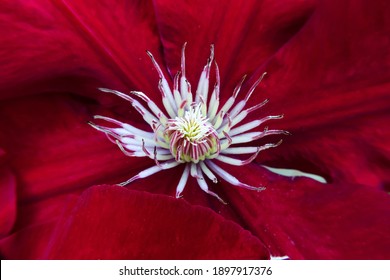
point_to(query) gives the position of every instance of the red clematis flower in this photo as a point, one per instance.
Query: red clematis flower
(328, 70)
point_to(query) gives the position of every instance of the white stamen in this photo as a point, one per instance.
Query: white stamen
(150, 171)
(183, 180)
(248, 126)
(296, 173)
(229, 178)
(285, 257)
(191, 133)
(214, 99)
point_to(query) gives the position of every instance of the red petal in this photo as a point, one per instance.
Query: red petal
(7, 198)
(30, 243)
(356, 151)
(39, 45)
(245, 33)
(302, 218)
(120, 37)
(35, 226)
(67, 45)
(52, 148)
(334, 69)
(331, 82)
(53, 151)
(114, 223)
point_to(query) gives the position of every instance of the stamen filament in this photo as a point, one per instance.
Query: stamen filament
(192, 133)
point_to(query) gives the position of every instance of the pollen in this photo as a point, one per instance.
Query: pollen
(192, 137)
(194, 130)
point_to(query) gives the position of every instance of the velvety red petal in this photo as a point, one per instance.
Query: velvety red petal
(35, 226)
(53, 152)
(115, 223)
(40, 49)
(27, 244)
(120, 37)
(7, 199)
(48, 209)
(336, 68)
(71, 45)
(331, 82)
(297, 217)
(332, 69)
(245, 34)
(302, 218)
(52, 149)
(353, 151)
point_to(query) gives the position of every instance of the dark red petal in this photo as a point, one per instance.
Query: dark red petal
(245, 33)
(115, 223)
(337, 66)
(29, 243)
(48, 209)
(121, 38)
(302, 218)
(331, 82)
(334, 69)
(52, 152)
(354, 151)
(40, 49)
(34, 228)
(52, 149)
(72, 45)
(7, 198)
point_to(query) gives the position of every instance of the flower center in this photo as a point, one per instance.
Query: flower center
(194, 130)
(192, 138)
